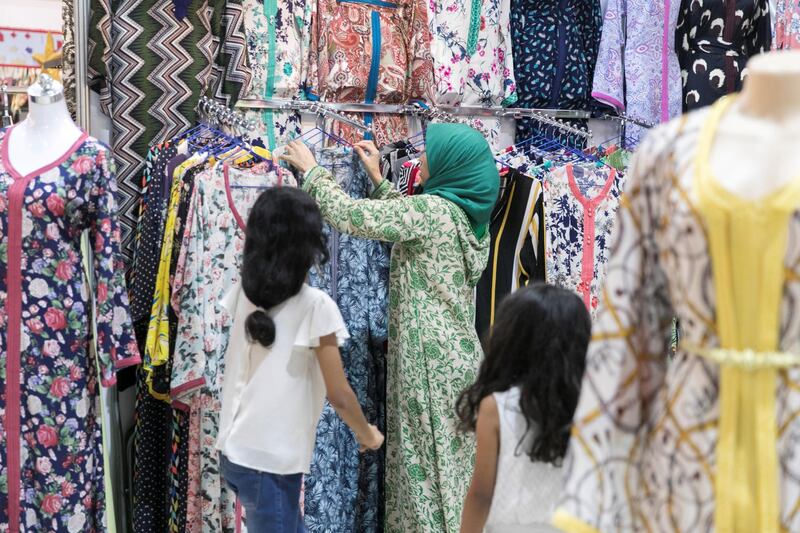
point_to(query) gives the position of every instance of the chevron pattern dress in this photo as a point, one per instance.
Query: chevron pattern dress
(151, 67)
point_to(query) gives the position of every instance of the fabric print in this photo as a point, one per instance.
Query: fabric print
(787, 24)
(714, 40)
(579, 207)
(278, 37)
(51, 443)
(651, 431)
(472, 59)
(637, 70)
(151, 68)
(555, 45)
(211, 251)
(435, 253)
(344, 491)
(371, 52)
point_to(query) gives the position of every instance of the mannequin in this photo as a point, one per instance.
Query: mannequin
(763, 123)
(48, 131)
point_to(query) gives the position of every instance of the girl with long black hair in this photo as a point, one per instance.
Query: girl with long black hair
(521, 409)
(282, 360)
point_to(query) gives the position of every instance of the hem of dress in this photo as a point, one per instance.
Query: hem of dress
(189, 385)
(570, 524)
(177, 404)
(608, 99)
(129, 361)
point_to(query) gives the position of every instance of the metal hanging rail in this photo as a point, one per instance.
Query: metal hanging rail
(549, 117)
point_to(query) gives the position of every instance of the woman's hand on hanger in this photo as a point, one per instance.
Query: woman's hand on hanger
(371, 158)
(299, 156)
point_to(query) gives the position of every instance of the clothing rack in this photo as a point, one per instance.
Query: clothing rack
(213, 113)
(549, 117)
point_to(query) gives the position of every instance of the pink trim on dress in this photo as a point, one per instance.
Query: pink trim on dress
(129, 361)
(16, 201)
(608, 99)
(189, 385)
(236, 215)
(665, 52)
(589, 231)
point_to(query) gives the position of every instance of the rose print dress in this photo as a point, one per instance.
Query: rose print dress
(51, 441)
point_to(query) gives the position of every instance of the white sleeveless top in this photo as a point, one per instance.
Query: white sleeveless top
(525, 492)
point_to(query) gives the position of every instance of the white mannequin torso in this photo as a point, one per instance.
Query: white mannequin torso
(44, 136)
(755, 150)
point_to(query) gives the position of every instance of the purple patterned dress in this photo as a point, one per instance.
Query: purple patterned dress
(51, 450)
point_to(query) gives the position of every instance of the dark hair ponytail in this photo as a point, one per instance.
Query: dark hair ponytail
(284, 239)
(538, 344)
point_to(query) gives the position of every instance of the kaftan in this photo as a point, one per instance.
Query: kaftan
(51, 439)
(644, 449)
(434, 351)
(637, 70)
(371, 51)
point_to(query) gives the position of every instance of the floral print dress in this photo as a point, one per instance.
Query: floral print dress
(278, 36)
(787, 24)
(579, 207)
(472, 59)
(51, 449)
(434, 351)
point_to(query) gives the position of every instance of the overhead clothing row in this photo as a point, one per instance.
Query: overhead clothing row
(152, 63)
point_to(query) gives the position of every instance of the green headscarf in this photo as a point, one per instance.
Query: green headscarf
(462, 170)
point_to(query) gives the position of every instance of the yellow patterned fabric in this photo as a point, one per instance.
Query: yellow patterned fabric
(707, 440)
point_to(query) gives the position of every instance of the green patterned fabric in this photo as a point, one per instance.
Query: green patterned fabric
(462, 170)
(434, 351)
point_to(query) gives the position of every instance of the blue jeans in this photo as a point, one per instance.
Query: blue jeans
(271, 501)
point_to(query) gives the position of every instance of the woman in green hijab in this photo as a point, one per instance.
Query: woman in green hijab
(441, 248)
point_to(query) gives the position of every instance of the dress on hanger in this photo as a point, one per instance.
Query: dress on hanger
(151, 69)
(51, 441)
(344, 491)
(278, 38)
(713, 40)
(371, 51)
(555, 46)
(787, 24)
(637, 70)
(660, 445)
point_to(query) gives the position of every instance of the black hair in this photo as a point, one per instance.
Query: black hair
(284, 239)
(538, 343)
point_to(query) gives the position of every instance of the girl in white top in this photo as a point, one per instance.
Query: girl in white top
(281, 362)
(521, 409)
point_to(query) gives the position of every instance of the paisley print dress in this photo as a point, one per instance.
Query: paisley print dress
(714, 39)
(787, 24)
(555, 46)
(371, 51)
(51, 439)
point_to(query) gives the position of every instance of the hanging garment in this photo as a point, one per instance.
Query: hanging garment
(662, 445)
(208, 265)
(516, 255)
(151, 69)
(637, 70)
(714, 40)
(344, 491)
(436, 262)
(555, 46)
(787, 24)
(580, 202)
(371, 51)
(278, 37)
(51, 450)
(472, 59)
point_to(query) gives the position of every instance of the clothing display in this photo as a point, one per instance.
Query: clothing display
(714, 40)
(526, 492)
(637, 70)
(344, 491)
(787, 25)
(151, 67)
(555, 45)
(658, 444)
(51, 449)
